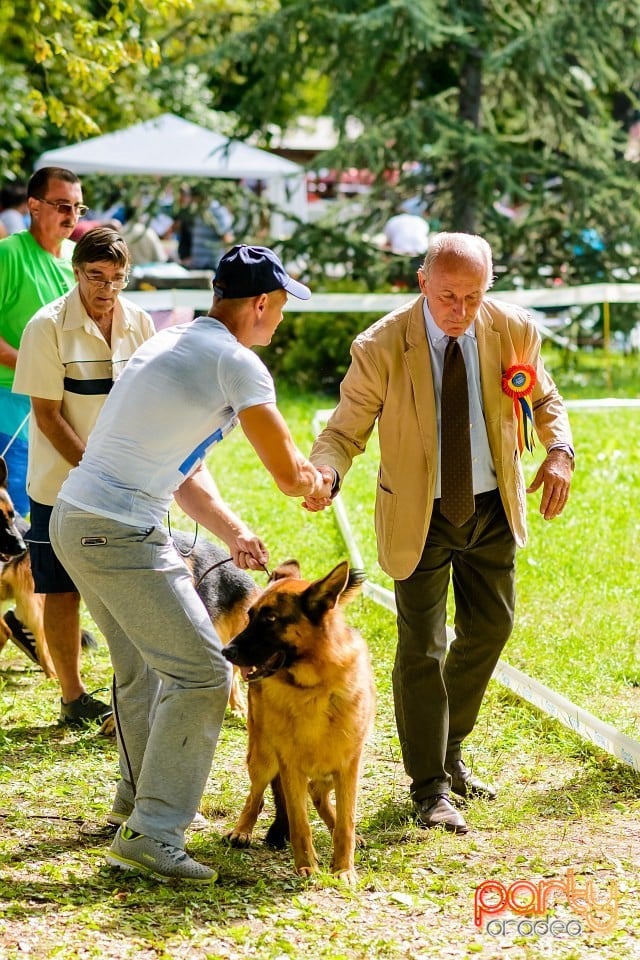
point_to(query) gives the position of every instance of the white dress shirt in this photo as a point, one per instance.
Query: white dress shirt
(484, 474)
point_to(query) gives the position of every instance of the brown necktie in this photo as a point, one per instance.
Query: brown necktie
(457, 503)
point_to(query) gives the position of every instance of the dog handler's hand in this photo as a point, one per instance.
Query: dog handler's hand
(554, 476)
(249, 552)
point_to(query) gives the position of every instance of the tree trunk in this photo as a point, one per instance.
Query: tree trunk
(465, 199)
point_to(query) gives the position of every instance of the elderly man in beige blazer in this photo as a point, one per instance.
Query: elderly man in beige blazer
(395, 379)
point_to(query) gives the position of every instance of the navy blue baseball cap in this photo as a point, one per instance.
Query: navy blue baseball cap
(249, 271)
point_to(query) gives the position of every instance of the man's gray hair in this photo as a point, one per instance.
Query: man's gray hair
(468, 247)
(101, 243)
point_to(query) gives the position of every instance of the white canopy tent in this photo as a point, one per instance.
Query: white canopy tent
(169, 146)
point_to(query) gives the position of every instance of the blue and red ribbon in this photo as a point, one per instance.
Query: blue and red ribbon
(518, 383)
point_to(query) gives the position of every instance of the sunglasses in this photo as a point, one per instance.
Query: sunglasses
(63, 206)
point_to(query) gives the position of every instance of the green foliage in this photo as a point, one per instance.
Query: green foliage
(469, 107)
(72, 67)
(311, 350)
(183, 79)
(594, 373)
(472, 109)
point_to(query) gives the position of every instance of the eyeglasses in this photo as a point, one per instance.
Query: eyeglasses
(63, 206)
(117, 284)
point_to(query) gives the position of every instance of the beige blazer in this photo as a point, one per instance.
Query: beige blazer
(390, 381)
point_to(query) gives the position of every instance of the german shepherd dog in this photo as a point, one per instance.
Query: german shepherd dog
(226, 591)
(311, 707)
(16, 583)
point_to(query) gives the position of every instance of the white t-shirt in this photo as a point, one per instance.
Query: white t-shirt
(180, 394)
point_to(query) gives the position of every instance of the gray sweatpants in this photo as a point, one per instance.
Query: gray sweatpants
(172, 682)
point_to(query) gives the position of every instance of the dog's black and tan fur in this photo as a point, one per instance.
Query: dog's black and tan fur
(226, 591)
(16, 581)
(311, 706)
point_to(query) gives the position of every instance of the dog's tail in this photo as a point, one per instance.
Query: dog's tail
(354, 584)
(88, 640)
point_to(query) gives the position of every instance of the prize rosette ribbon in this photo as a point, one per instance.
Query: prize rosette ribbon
(518, 383)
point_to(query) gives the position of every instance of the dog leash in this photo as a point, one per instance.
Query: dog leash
(116, 716)
(213, 566)
(15, 436)
(193, 545)
(209, 569)
(219, 564)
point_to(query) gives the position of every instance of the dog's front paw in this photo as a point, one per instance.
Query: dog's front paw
(236, 838)
(237, 706)
(108, 727)
(348, 877)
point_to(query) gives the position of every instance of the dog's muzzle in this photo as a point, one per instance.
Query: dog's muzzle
(251, 673)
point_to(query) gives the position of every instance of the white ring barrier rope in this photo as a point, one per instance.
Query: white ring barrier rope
(580, 721)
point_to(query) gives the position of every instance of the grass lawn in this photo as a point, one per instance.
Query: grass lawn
(562, 804)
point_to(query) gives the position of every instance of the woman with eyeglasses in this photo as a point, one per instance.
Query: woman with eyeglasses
(71, 353)
(35, 268)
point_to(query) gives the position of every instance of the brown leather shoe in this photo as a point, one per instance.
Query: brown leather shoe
(437, 811)
(465, 784)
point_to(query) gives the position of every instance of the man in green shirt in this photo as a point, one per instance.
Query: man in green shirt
(35, 268)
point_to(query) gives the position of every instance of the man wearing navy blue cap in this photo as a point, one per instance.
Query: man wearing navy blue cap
(178, 397)
(249, 271)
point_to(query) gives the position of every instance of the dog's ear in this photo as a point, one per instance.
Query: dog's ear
(4, 473)
(323, 595)
(288, 569)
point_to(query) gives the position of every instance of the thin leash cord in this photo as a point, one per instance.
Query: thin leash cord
(188, 553)
(219, 564)
(114, 696)
(114, 702)
(193, 545)
(14, 437)
(209, 569)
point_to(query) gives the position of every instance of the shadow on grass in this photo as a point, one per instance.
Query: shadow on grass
(35, 743)
(127, 905)
(589, 792)
(11, 677)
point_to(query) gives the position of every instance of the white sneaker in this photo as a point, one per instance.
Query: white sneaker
(134, 851)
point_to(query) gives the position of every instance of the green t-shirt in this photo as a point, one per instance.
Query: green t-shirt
(30, 277)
